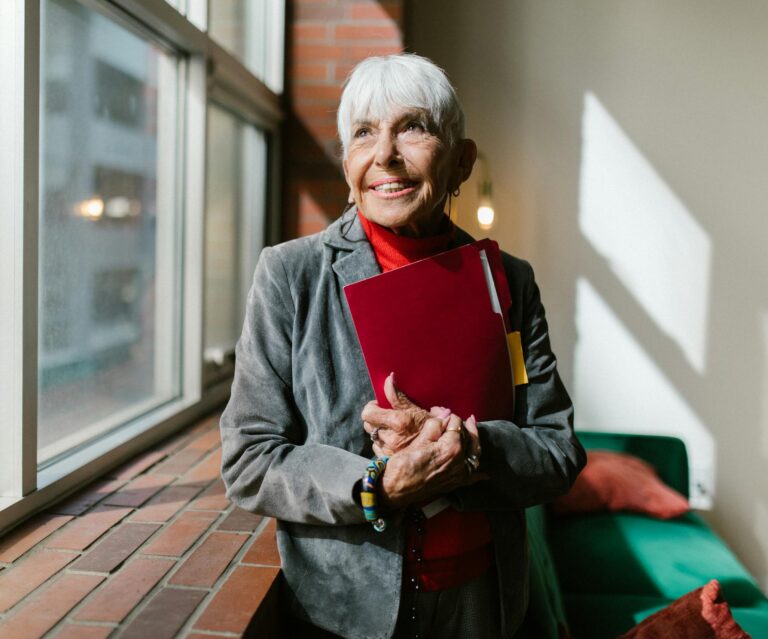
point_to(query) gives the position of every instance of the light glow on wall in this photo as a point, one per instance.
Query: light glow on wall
(619, 388)
(648, 238)
(661, 256)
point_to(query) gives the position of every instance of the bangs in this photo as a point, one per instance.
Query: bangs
(390, 90)
(380, 86)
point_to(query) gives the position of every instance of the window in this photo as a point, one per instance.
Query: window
(252, 31)
(117, 273)
(236, 194)
(106, 304)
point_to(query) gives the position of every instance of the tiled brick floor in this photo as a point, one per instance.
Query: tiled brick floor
(152, 551)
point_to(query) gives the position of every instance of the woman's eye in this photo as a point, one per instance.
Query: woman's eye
(361, 133)
(414, 126)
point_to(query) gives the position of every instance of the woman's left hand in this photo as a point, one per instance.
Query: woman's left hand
(428, 468)
(393, 429)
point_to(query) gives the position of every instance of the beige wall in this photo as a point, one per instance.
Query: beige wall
(628, 146)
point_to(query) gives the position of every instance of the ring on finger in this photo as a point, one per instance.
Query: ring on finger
(453, 429)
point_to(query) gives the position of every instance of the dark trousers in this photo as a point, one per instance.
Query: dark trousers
(468, 611)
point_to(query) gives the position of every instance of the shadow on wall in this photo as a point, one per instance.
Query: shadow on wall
(649, 255)
(315, 192)
(323, 43)
(312, 175)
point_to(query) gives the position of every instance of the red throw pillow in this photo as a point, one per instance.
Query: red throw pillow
(701, 614)
(617, 481)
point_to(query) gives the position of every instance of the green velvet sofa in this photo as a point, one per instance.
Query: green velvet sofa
(601, 574)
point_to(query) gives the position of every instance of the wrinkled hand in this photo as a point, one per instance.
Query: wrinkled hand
(428, 451)
(427, 468)
(395, 428)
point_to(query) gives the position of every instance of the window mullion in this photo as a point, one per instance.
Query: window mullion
(275, 42)
(19, 124)
(253, 214)
(194, 225)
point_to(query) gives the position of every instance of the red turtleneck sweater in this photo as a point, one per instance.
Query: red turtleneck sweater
(451, 547)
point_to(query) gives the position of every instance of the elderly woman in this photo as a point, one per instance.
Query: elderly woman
(301, 426)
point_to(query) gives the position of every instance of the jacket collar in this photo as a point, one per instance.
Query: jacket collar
(359, 263)
(346, 232)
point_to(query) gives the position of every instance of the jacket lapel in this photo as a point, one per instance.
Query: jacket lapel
(357, 260)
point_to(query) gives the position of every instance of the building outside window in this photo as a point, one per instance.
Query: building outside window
(107, 223)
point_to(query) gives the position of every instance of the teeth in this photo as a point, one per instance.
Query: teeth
(391, 187)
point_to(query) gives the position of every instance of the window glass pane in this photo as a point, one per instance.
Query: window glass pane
(234, 224)
(251, 30)
(227, 24)
(221, 251)
(108, 319)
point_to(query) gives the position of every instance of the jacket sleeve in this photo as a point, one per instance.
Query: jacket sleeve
(266, 465)
(532, 462)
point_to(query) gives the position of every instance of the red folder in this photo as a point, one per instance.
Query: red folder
(440, 325)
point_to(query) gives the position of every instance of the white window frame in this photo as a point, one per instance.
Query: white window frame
(209, 73)
(19, 75)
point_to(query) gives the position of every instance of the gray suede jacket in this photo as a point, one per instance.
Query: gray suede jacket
(294, 444)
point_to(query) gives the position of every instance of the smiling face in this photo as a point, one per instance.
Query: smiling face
(399, 171)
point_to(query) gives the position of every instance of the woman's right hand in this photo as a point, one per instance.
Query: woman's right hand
(427, 467)
(393, 429)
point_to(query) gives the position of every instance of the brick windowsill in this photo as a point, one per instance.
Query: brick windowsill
(154, 550)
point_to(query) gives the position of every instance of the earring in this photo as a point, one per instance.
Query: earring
(350, 203)
(457, 192)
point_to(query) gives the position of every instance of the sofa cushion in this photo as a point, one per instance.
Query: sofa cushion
(607, 616)
(617, 481)
(666, 454)
(700, 614)
(753, 620)
(629, 554)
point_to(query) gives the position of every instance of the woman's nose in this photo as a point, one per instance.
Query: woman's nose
(387, 151)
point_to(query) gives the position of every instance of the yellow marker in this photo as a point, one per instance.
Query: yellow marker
(516, 358)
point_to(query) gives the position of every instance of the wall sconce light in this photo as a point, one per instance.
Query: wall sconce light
(485, 213)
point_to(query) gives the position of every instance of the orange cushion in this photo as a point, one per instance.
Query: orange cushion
(617, 481)
(701, 614)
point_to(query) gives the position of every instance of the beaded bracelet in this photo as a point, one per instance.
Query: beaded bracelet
(368, 495)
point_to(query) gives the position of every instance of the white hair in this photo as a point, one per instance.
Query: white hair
(378, 85)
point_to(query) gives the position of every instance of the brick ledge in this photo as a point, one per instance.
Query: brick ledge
(153, 549)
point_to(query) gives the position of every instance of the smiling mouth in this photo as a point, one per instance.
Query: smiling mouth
(393, 187)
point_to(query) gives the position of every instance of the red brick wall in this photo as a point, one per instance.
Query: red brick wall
(326, 38)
